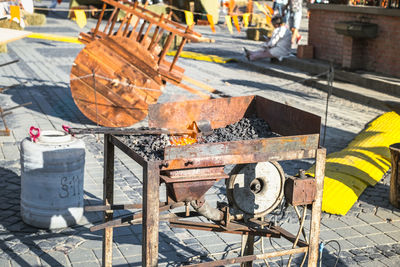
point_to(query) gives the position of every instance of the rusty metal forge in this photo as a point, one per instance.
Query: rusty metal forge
(189, 171)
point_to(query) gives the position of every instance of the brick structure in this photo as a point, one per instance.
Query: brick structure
(381, 54)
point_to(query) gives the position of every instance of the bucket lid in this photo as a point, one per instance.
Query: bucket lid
(54, 137)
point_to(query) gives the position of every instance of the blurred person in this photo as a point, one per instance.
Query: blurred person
(278, 46)
(280, 7)
(296, 11)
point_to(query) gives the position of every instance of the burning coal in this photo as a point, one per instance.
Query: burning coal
(151, 147)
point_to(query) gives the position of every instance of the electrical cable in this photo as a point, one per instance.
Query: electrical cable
(321, 249)
(304, 235)
(301, 221)
(272, 245)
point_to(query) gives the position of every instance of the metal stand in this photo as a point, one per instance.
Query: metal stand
(190, 171)
(151, 209)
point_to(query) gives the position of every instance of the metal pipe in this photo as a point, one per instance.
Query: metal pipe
(207, 211)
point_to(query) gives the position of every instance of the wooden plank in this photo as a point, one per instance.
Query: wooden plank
(395, 174)
(10, 35)
(226, 262)
(110, 19)
(151, 198)
(184, 40)
(127, 26)
(135, 59)
(108, 199)
(100, 19)
(145, 36)
(141, 30)
(114, 20)
(176, 74)
(254, 146)
(248, 250)
(186, 163)
(190, 36)
(119, 31)
(166, 47)
(316, 208)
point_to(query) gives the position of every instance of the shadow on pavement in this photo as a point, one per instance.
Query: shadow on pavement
(18, 238)
(266, 87)
(48, 98)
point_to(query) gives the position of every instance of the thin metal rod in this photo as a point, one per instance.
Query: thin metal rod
(301, 221)
(251, 257)
(19, 106)
(95, 96)
(330, 77)
(106, 130)
(8, 63)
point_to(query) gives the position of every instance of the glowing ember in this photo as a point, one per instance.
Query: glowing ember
(182, 140)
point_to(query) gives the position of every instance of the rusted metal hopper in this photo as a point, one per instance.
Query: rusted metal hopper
(123, 69)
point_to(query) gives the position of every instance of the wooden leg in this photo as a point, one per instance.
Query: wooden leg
(248, 249)
(151, 199)
(108, 199)
(316, 208)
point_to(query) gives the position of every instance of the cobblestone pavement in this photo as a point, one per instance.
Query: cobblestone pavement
(368, 235)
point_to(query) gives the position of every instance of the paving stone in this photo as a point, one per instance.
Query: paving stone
(384, 247)
(370, 218)
(347, 262)
(24, 260)
(374, 263)
(352, 221)
(81, 255)
(329, 235)
(54, 258)
(361, 242)
(397, 213)
(376, 256)
(122, 231)
(391, 262)
(218, 248)
(137, 261)
(386, 214)
(116, 253)
(345, 245)
(389, 253)
(92, 244)
(87, 264)
(127, 239)
(347, 232)
(361, 258)
(121, 261)
(381, 239)
(385, 227)
(230, 238)
(4, 262)
(172, 256)
(209, 240)
(396, 223)
(367, 229)
(370, 250)
(130, 250)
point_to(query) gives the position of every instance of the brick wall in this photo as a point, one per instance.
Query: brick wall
(381, 54)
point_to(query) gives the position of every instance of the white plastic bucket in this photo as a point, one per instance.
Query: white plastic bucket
(52, 171)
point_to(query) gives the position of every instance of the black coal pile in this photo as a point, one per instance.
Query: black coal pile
(245, 129)
(151, 147)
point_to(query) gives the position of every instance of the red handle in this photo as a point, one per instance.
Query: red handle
(34, 133)
(66, 128)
